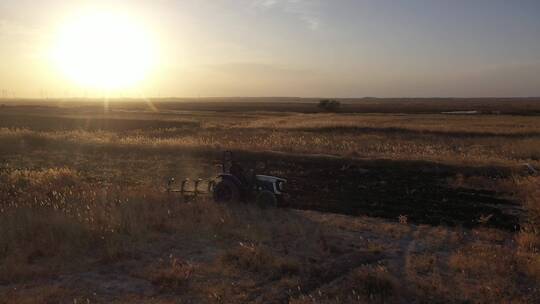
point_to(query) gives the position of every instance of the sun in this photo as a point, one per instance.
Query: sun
(104, 50)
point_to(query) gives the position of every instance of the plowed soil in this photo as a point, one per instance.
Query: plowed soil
(389, 189)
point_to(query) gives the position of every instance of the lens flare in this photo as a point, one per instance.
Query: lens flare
(104, 50)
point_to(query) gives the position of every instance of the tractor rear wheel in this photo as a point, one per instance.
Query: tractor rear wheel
(266, 199)
(226, 192)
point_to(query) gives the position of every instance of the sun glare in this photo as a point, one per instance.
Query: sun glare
(104, 50)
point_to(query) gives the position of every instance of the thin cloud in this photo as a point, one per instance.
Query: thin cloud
(307, 11)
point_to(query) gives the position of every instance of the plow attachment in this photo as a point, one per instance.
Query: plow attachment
(190, 189)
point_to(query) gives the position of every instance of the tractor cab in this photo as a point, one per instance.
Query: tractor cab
(237, 184)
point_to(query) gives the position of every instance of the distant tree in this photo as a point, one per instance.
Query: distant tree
(329, 105)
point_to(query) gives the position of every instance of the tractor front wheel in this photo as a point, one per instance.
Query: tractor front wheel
(226, 192)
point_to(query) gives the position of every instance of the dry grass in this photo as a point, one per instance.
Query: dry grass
(528, 240)
(47, 294)
(494, 266)
(395, 123)
(50, 216)
(464, 150)
(448, 138)
(174, 275)
(260, 260)
(278, 253)
(64, 212)
(366, 284)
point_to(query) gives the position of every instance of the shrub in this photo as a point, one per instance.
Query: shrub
(329, 105)
(173, 275)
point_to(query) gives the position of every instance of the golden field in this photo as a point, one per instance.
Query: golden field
(385, 207)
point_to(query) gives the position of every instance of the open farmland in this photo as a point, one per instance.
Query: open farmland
(389, 201)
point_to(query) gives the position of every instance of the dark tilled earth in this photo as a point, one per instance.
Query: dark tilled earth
(390, 189)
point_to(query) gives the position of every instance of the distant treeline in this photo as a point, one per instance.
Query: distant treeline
(491, 106)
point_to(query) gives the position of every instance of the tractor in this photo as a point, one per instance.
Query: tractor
(234, 184)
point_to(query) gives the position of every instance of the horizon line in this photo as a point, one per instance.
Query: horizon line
(7, 99)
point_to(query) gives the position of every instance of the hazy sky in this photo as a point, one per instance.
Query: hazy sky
(339, 48)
